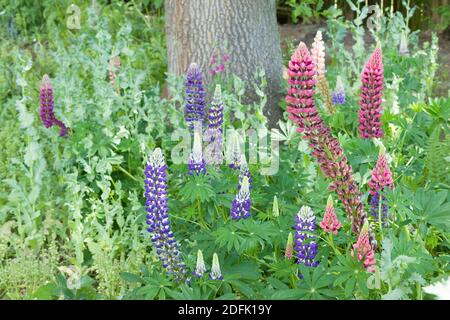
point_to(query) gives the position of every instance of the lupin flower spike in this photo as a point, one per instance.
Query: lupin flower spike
(305, 244)
(195, 97)
(196, 162)
(214, 133)
(363, 249)
(318, 57)
(158, 222)
(47, 113)
(325, 148)
(200, 268)
(318, 54)
(234, 153)
(289, 247)
(240, 207)
(403, 46)
(244, 171)
(216, 273)
(370, 97)
(380, 180)
(275, 209)
(381, 175)
(330, 222)
(338, 96)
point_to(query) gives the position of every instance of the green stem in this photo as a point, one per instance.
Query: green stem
(127, 173)
(380, 222)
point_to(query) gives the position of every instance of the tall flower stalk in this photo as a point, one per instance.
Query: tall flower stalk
(214, 133)
(46, 112)
(325, 148)
(114, 66)
(194, 111)
(370, 97)
(158, 222)
(318, 56)
(305, 244)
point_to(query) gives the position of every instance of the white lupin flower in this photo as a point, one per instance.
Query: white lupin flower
(216, 273)
(200, 268)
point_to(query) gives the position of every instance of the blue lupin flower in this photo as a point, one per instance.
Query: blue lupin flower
(158, 222)
(305, 244)
(244, 171)
(214, 133)
(338, 95)
(195, 97)
(374, 205)
(240, 207)
(216, 273)
(196, 162)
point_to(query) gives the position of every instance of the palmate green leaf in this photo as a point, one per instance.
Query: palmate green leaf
(197, 187)
(432, 207)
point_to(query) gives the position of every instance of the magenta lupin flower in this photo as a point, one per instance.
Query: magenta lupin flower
(370, 97)
(325, 148)
(46, 112)
(381, 176)
(363, 249)
(330, 222)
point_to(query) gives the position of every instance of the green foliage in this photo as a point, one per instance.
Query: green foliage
(72, 210)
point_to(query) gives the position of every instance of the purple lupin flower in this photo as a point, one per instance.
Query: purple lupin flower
(375, 206)
(196, 162)
(305, 244)
(158, 222)
(240, 207)
(46, 112)
(214, 133)
(195, 97)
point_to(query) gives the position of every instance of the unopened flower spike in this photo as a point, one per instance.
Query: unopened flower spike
(158, 221)
(330, 222)
(196, 162)
(200, 268)
(305, 244)
(363, 249)
(114, 66)
(216, 273)
(289, 247)
(275, 209)
(371, 97)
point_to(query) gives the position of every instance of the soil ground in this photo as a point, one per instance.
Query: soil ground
(306, 32)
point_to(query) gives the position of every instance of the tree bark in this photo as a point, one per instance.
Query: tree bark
(248, 29)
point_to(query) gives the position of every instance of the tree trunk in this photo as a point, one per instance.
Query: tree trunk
(247, 28)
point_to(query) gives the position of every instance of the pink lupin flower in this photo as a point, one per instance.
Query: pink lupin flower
(330, 222)
(381, 176)
(370, 97)
(114, 66)
(325, 148)
(364, 249)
